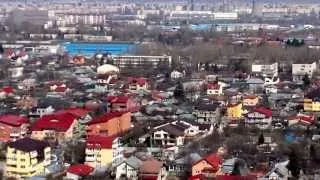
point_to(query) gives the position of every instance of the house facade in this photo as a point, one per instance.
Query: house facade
(311, 102)
(234, 111)
(109, 124)
(27, 158)
(58, 126)
(260, 117)
(122, 104)
(207, 113)
(102, 151)
(214, 89)
(269, 70)
(250, 100)
(209, 164)
(129, 168)
(138, 84)
(13, 127)
(300, 70)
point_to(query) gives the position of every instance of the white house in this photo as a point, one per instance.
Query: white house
(129, 168)
(176, 74)
(214, 89)
(39, 112)
(16, 72)
(300, 70)
(268, 70)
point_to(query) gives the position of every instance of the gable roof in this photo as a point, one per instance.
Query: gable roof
(263, 110)
(151, 167)
(106, 117)
(7, 90)
(213, 159)
(13, 120)
(104, 142)
(117, 99)
(79, 112)
(140, 81)
(80, 169)
(213, 86)
(172, 129)
(134, 162)
(60, 122)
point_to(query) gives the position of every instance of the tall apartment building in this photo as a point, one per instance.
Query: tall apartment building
(269, 70)
(27, 158)
(142, 61)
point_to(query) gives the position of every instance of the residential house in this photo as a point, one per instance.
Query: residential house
(279, 171)
(300, 70)
(268, 70)
(27, 158)
(109, 124)
(129, 168)
(250, 100)
(103, 151)
(13, 127)
(152, 169)
(168, 135)
(40, 111)
(57, 126)
(207, 113)
(138, 84)
(301, 120)
(260, 117)
(174, 133)
(234, 111)
(6, 91)
(209, 165)
(179, 167)
(214, 89)
(122, 104)
(312, 101)
(78, 171)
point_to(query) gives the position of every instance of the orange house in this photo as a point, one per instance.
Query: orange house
(109, 124)
(209, 165)
(13, 127)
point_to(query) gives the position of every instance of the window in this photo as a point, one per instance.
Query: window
(22, 160)
(157, 135)
(22, 166)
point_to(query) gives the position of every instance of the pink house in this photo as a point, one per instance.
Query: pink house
(122, 104)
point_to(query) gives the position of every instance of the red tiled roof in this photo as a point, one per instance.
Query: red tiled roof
(231, 177)
(149, 177)
(7, 89)
(197, 177)
(263, 110)
(13, 120)
(141, 81)
(106, 117)
(303, 118)
(80, 169)
(117, 99)
(60, 89)
(100, 141)
(213, 86)
(79, 112)
(214, 159)
(60, 122)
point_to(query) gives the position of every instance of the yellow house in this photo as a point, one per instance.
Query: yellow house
(311, 105)
(208, 165)
(27, 158)
(102, 151)
(312, 101)
(234, 111)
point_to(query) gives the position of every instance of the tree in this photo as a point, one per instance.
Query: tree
(306, 80)
(294, 163)
(261, 139)
(179, 91)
